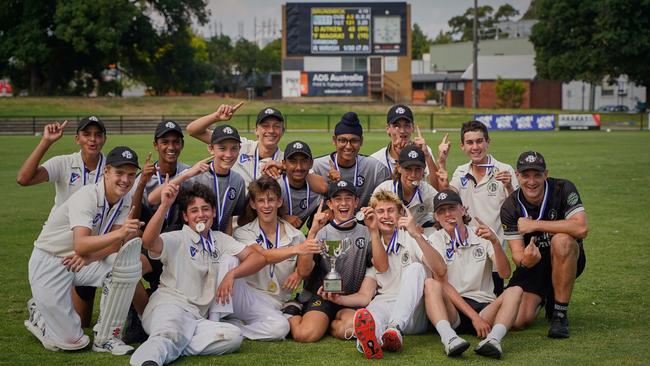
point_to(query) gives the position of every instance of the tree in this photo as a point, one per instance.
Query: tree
(510, 93)
(462, 25)
(443, 38)
(420, 42)
(592, 40)
(220, 58)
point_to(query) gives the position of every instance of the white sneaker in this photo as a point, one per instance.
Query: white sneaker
(114, 345)
(489, 347)
(36, 326)
(456, 346)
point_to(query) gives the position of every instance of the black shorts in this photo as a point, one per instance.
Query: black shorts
(86, 293)
(317, 303)
(537, 280)
(153, 277)
(465, 326)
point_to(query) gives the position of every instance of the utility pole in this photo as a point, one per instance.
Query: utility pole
(475, 58)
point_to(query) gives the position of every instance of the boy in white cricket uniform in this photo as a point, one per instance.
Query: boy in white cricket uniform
(483, 183)
(254, 154)
(416, 194)
(258, 299)
(76, 247)
(470, 254)
(175, 317)
(345, 163)
(69, 173)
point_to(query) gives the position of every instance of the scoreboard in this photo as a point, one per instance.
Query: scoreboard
(346, 29)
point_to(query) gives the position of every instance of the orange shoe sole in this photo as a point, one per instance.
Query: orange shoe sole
(364, 329)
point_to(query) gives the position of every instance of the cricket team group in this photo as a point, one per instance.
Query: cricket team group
(220, 244)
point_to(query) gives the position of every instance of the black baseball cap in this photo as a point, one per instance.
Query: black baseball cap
(446, 197)
(411, 155)
(224, 132)
(399, 111)
(122, 155)
(531, 160)
(268, 112)
(167, 126)
(342, 185)
(91, 120)
(297, 147)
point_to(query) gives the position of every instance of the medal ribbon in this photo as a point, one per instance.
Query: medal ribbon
(267, 243)
(105, 229)
(391, 168)
(392, 247)
(356, 168)
(98, 171)
(288, 189)
(161, 180)
(396, 189)
(257, 160)
(454, 243)
(207, 243)
(221, 202)
(489, 166)
(541, 209)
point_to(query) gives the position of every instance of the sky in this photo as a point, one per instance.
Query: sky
(430, 15)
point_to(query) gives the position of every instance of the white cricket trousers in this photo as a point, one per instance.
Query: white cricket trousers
(174, 332)
(259, 312)
(51, 284)
(407, 309)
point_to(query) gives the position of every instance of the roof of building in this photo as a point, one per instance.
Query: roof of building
(514, 67)
(457, 56)
(436, 77)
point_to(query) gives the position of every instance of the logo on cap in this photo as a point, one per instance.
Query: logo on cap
(228, 130)
(442, 196)
(413, 154)
(170, 125)
(297, 145)
(127, 154)
(400, 110)
(93, 118)
(268, 111)
(531, 158)
(342, 184)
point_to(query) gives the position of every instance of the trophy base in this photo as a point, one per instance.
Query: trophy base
(333, 286)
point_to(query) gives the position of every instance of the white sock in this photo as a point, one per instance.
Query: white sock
(446, 332)
(498, 332)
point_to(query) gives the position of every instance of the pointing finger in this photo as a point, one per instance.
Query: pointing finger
(320, 207)
(148, 161)
(206, 160)
(167, 177)
(480, 222)
(237, 106)
(65, 123)
(331, 165)
(418, 129)
(131, 211)
(445, 140)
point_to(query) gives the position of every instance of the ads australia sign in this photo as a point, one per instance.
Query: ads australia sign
(324, 84)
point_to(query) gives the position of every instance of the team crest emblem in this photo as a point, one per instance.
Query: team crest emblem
(552, 214)
(127, 154)
(405, 258)
(96, 218)
(478, 253)
(530, 158)
(297, 145)
(228, 130)
(243, 158)
(442, 196)
(74, 177)
(342, 183)
(360, 180)
(259, 240)
(463, 181)
(400, 110)
(268, 111)
(170, 124)
(93, 118)
(360, 243)
(492, 187)
(413, 154)
(572, 199)
(421, 209)
(192, 251)
(215, 255)
(232, 193)
(449, 253)
(303, 203)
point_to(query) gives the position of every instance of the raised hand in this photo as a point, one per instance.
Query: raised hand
(273, 169)
(407, 222)
(443, 148)
(309, 246)
(420, 142)
(53, 131)
(504, 177)
(484, 231)
(225, 111)
(131, 226)
(200, 166)
(148, 169)
(320, 218)
(169, 192)
(369, 218)
(333, 175)
(532, 256)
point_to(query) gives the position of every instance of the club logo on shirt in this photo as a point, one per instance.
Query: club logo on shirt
(478, 253)
(243, 158)
(232, 193)
(360, 243)
(552, 214)
(303, 203)
(259, 240)
(192, 252)
(74, 177)
(463, 182)
(572, 199)
(420, 209)
(215, 255)
(360, 180)
(492, 188)
(96, 218)
(406, 259)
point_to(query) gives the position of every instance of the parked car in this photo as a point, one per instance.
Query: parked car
(613, 108)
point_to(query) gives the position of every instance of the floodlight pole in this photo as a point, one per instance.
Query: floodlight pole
(475, 58)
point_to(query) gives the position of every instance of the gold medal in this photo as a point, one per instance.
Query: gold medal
(272, 286)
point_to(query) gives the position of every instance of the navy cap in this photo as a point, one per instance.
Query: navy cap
(342, 185)
(122, 155)
(91, 120)
(224, 132)
(167, 126)
(411, 155)
(446, 197)
(399, 111)
(297, 147)
(531, 160)
(268, 112)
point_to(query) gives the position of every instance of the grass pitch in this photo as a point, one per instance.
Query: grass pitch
(608, 313)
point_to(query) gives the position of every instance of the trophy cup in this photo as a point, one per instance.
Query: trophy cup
(333, 282)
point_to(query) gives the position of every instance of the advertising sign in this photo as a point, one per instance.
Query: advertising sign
(334, 84)
(579, 121)
(517, 122)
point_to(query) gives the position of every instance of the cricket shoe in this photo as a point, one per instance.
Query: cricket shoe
(456, 346)
(291, 308)
(36, 325)
(391, 340)
(489, 347)
(114, 345)
(559, 326)
(364, 329)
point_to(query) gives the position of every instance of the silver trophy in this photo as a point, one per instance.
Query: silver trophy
(334, 249)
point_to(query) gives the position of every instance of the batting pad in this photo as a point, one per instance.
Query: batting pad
(118, 290)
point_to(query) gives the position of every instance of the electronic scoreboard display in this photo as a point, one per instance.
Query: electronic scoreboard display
(345, 28)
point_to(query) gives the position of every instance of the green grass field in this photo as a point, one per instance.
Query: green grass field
(609, 310)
